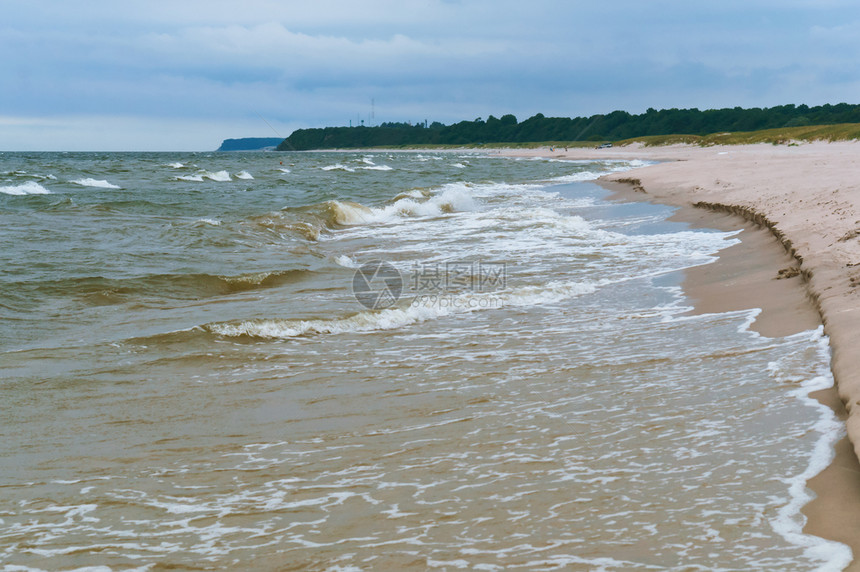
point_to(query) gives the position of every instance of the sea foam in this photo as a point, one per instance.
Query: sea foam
(28, 188)
(338, 167)
(449, 200)
(217, 176)
(97, 183)
(420, 309)
(789, 520)
(346, 261)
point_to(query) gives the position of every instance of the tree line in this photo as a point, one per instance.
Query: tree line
(614, 126)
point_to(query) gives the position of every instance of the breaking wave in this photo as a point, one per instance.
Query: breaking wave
(420, 309)
(218, 176)
(97, 183)
(338, 167)
(28, 188)
(310, 221)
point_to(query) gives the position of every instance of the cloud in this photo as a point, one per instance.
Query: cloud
(152, 64)
(122, 133)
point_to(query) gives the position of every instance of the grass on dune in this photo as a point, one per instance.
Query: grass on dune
(513, 145)
(781, 136)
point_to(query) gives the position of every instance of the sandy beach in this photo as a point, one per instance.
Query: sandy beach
(806, 199)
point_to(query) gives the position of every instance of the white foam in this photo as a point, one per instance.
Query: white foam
(209, 221)
(451, 199)
(363, 322)
(219, 176)
(420, 309)
(378, 168)
(578, 177)
(346, 261)
(338, 167)
(28, 188)
(790, 520)
(636, 163)
(525, 224)
(459, 165)
(244, 175)
(97, 183)
(283, 170)
(176, 165)
(611, 167)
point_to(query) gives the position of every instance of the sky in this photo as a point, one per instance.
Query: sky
(183, 75)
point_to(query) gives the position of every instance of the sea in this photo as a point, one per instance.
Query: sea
(429, 360)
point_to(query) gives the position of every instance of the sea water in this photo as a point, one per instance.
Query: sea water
(383, 361)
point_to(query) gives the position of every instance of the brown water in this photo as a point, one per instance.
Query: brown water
(189, 381)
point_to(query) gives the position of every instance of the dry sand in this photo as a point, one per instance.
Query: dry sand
(807, 198)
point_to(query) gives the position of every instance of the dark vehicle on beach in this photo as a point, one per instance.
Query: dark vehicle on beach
(604, 146)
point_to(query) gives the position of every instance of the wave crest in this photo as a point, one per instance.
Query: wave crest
(338, 167)
(419, 309)
(28, 188)
(97, 183)
(99, 290)
(217, 176)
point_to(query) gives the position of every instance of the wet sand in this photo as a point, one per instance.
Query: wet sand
(746, 276)
(799, 208)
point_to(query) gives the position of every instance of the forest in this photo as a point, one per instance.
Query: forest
(615, 126)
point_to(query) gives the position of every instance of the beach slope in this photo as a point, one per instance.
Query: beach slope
(807, 194)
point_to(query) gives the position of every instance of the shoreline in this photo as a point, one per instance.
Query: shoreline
(745, 277)
(801, 220)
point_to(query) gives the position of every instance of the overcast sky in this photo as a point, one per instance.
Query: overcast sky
(183, 75)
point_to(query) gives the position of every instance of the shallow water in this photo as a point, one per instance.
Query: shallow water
(189, 379)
